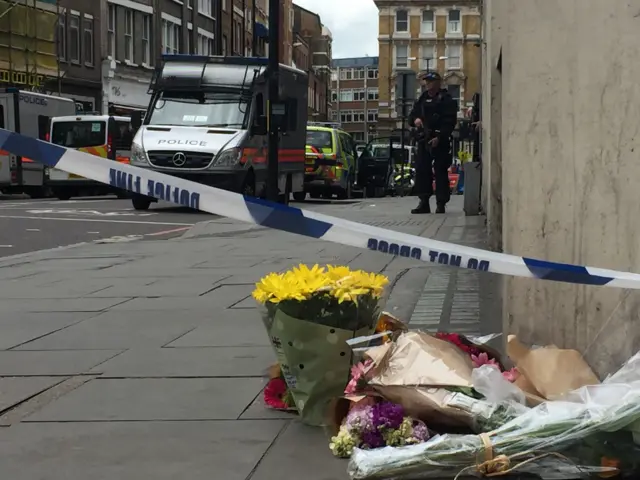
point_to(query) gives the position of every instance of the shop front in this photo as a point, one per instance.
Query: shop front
(128, 95)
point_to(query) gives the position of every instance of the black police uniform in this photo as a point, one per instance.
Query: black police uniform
(439, 117)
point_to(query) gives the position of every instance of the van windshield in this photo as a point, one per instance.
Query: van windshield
(79, 134)
(200, 110)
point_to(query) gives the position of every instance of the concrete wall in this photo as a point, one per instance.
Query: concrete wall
(570, 146)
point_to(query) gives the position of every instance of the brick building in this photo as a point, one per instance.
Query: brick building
(312, 45)
(354, 96)
(442, 35)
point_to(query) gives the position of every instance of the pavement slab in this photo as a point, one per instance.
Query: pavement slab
(135, 450)
(48, 305)
(44, 363)
(244, 331)
(161, 288)
(301, 452)
(151, 399)
(24, 327)
(220, 297)
(190, 362)
(117, 331)
(14, 390)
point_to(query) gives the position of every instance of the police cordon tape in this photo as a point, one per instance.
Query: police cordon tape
(302, 222)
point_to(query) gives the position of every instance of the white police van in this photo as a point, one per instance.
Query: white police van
(30, 114)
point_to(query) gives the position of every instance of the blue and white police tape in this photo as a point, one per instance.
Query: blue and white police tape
(301, 222)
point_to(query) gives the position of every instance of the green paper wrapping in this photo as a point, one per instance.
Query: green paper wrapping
(315, 361)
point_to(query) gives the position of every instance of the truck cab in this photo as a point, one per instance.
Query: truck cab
(207, 123)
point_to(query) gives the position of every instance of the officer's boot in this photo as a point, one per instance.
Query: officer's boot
(440, 207)
(423, 206)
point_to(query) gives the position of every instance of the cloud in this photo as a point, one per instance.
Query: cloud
(353, 23)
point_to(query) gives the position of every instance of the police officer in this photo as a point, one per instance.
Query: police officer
(434, 114)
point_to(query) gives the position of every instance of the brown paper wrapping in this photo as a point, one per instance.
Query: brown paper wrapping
(549, 372)
(410, 370)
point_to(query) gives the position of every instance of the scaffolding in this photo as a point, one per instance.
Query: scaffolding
(29, 44)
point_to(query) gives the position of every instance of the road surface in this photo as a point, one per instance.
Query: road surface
(30, 225)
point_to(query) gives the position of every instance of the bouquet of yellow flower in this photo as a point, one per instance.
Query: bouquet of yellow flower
(309, 314)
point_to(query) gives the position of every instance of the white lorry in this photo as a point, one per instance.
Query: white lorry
(30, 114)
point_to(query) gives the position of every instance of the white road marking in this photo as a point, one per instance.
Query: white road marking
(100, 220)
(51, 202)
(165, 232)
(94, 233)
(33, 229)
(6, 246)
(126, 213)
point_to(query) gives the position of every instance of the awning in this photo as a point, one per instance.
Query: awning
(261, 30)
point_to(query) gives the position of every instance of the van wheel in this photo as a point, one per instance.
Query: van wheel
(140, 202)
(299, 196)
(345, 194)
(63, 194)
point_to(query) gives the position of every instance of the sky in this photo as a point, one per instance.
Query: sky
(353, 23)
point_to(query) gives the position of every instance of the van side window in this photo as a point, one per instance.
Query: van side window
(2, 116)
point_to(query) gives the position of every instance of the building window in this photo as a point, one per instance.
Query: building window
(454, 91)
(205, 45)
(346, 95)
(111, 31)
(62, 37)
(88, 40)
(334, 96)
(128, 35)
(372, 73)
(372, 94)
(359, 95)
(333, 116)
(428, 23)
(74, 38)
(358, 73)
(146, 40)
(334, 76)
(170, 37)
(454, 54)
(402, 55)
(358, 116)
(346, 116)
(225, 44)
(204, 7)
(372, 116)
(402, 21)
(454, 24)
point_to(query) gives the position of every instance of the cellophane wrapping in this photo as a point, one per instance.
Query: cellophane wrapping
(571, 437)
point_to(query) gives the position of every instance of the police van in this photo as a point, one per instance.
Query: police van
(30, 114)
(104, 136)
(207, 123)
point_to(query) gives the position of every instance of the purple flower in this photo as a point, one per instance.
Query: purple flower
(372, 440)
(387, 415)
(360, 419)
(420, 432)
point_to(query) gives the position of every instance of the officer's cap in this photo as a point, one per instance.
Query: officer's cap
(430, 76)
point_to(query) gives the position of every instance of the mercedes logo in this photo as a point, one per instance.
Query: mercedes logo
(179, 159)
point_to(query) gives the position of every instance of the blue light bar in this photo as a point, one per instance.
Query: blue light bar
(230, 60)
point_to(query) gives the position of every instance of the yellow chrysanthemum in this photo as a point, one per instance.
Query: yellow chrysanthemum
(337, 273)
(276, 288)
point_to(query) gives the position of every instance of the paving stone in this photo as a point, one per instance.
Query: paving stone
(217, 299)
(191, 362)
(118, 331)
(258, 410)
(44, 363)
(148, 399)
(297, 442)
(23, 327)
(14, 390)
(135, 450)
(163, 288)
(56, 305)
(244, 331)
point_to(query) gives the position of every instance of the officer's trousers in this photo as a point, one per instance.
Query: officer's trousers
(433, 163)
